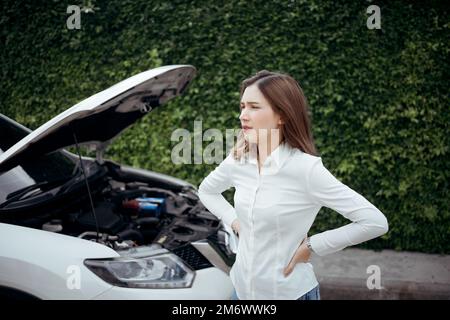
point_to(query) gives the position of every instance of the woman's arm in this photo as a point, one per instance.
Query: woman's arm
(368, 221)
(211, 188)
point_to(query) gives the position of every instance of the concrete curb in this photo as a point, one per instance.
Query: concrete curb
(393, 275)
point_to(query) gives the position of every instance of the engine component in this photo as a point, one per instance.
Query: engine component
(142, 208)
(53, 226)
(108, 220)
(160, 201)
(183, 230)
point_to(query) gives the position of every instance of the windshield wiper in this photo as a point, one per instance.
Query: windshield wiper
(19, 194)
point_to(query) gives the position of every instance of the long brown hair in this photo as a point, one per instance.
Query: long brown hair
(286, 98)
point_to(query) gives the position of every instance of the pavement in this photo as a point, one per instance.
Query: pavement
(358, 274)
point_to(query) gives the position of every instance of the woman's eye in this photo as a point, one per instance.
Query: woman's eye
(251, 107)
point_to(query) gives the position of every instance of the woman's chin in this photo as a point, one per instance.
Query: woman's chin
(250, 137)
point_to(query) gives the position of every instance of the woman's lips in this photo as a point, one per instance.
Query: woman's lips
(246, 128)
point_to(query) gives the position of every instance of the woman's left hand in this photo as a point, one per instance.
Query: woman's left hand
(301, 255)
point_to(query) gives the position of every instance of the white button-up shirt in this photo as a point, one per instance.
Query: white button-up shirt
(276, 208)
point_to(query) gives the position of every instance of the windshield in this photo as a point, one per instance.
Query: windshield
(50, 167)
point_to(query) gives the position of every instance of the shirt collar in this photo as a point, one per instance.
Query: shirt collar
(274, 160)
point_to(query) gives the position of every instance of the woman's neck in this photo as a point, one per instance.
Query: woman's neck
(264, 150)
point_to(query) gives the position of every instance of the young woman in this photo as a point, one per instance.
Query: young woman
(281, 184)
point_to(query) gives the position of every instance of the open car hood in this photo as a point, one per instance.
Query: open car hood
(99, 118)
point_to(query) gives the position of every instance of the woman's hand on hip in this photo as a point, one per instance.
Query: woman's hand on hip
(235, 226)
(302, 254)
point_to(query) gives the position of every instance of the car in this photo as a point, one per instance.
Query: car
(78, 227)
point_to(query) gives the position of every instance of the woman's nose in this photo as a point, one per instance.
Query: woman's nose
(243, 115)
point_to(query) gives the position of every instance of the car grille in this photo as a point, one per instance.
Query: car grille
(192, 257)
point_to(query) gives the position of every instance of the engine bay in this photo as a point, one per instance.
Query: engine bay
(135, 214)
(130, 211)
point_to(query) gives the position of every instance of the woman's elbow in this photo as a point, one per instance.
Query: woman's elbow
(376, 223)
(382, 224)
(385, 226)
(207, 188)
(203, 192)
(202, 188)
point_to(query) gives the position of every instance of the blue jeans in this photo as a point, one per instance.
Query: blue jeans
(313, 294)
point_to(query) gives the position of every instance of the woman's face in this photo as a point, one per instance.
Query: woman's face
(258, 120)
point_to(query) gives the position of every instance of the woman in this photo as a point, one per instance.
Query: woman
(281, 184)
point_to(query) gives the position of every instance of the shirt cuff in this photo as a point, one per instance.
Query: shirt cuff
(229, 216)
(317, 245)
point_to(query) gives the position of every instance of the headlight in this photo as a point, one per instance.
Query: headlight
(161, 271)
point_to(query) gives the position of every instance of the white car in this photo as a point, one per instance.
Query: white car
(74, 227)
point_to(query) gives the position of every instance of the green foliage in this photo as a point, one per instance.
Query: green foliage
(378, 98)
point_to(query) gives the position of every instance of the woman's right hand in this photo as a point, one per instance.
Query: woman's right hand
(235, 226)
